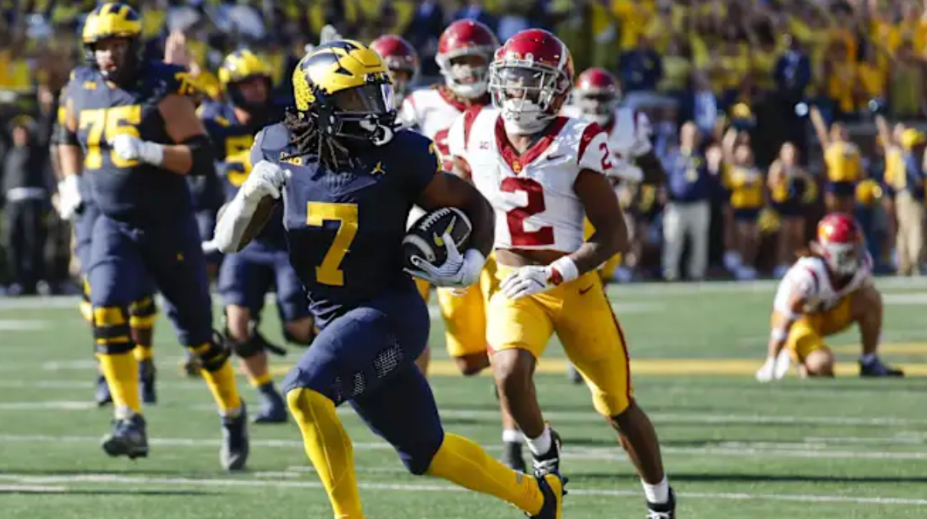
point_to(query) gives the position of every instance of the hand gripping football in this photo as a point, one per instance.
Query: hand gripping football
(425, 237)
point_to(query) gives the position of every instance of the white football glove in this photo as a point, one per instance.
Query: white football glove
(534, 279)
(70, 200)
(774, 368)
(458, 271)
(130, 147)
(265, 179)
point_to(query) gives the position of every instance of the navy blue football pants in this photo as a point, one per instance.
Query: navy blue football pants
(124, 257)
(366, 357)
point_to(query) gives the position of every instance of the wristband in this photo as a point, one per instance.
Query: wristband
(563, 270)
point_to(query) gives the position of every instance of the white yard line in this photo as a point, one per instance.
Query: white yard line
(109, 479)
(727, 449)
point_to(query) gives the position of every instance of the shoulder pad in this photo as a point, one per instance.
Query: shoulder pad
(273, 139)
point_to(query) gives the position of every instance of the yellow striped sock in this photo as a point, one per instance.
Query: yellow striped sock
(260, 380)
(221, 383)
(465, 463)
(121, 372)
(142, 352)
(329, 448)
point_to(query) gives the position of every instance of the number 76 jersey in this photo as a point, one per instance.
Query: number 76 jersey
(532, 193)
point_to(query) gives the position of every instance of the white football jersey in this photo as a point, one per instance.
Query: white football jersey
(628, 137)
(432, 111)
(532, 194)
(809, 277)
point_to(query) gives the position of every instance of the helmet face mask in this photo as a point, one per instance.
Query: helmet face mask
(467, 74)
(840, 243)
(246, 80)
(250, 93)
(598, 107)
(364, 114)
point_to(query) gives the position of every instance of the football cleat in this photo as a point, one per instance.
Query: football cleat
(273, 409)
(553, 487)
(102, 396)
(665, 510)
(877, 368)
(512, 457)
(146, 378)
(550, 462)
(234, 451)
(128, 438)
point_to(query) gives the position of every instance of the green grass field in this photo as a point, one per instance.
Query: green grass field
(844, 448)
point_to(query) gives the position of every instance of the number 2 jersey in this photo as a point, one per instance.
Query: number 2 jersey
(345, 228)
(532, 193)
(130, 191)
(233, 140)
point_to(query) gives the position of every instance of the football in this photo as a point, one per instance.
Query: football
(424, 237)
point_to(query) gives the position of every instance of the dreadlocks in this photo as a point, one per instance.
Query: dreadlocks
(308, 139)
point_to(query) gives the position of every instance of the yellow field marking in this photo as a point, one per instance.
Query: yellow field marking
(648, 367)
(901, 348)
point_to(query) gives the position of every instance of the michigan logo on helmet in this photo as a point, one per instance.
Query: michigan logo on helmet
(240, 67)
(334, 67)
(344, 98)
(114, 20)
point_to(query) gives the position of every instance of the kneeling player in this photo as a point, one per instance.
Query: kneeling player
(821, 295)
(348, 178)
(247, 276)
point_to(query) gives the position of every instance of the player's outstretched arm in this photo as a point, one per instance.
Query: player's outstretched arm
(787, 309)
(448, 190)
(242, 219)
(604, 213)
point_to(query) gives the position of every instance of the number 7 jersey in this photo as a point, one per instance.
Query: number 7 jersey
(532, 193)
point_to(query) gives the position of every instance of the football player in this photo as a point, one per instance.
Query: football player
(347, 177)
(824, 293)
(139, 137)
(247, 276)
(543, 174)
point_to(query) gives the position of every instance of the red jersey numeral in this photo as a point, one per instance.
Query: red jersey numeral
(606, 162)
(516, 217)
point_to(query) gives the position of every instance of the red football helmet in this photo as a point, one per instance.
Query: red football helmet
(401, 59)
(597, 94)
(464, 52)
(840, 243)
(530, 79)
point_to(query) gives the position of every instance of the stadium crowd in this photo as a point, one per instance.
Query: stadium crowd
(763, 113)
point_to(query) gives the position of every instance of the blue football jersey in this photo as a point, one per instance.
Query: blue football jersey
(345, 228)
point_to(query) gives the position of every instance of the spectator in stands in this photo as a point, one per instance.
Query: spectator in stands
(744, 182)
(791, 188)
(423, 32)
(687, 213)
(906, 84)
(640, 70)
(904, 178)
(843, 162)
(26, 195)
(474, 10)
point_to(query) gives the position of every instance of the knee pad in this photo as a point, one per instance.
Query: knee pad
(212, 354)
(111, 331)
(255, 344)
(142, 313)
